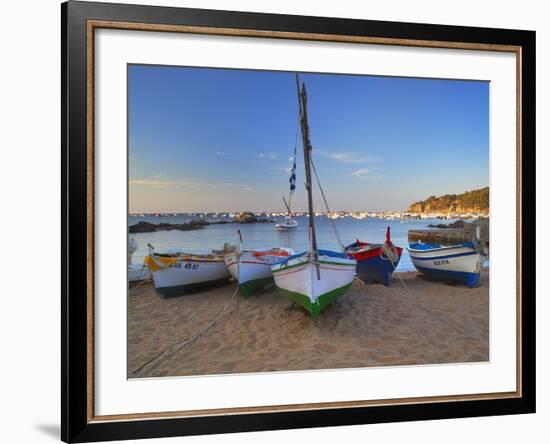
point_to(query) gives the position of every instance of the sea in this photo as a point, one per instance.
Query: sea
(264, 235)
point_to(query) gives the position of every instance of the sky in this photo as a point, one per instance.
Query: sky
(203, 139)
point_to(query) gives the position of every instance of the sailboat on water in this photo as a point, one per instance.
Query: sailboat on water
(290, 223)
(315, 278)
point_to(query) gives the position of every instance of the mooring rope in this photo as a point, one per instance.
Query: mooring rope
(169, 351)
(358, 280)
(428, 310)
(140, 283)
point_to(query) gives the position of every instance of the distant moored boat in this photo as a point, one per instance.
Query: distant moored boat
(288, 224)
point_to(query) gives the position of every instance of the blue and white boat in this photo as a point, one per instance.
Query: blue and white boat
(457, 263)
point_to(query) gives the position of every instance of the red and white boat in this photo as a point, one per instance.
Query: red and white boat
(252, 268)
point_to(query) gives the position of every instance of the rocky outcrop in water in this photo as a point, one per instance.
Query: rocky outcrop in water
(148, 227)
(248, 217)
(459, 224)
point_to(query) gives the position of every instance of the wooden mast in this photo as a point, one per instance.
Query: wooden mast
(302, 100)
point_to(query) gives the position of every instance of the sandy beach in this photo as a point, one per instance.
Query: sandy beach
(370, 326)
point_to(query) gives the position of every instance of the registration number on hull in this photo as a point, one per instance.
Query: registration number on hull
(441, 262)
(186, 266)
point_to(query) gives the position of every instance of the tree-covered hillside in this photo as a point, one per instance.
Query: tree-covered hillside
(476, 201)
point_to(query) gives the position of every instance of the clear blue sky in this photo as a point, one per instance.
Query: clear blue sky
(220, 140)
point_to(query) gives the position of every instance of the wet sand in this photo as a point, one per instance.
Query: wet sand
(371, 326)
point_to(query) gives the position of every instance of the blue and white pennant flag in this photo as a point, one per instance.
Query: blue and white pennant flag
(292, 179)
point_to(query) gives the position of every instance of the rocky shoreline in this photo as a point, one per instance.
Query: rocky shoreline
(458, 225)
(197, 224)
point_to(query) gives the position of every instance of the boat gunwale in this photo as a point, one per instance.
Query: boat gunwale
(217, 260)
(449, 256)
(469, 245)
(282, 266)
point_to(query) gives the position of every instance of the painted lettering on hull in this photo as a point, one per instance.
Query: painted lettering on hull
(441, 262)
(186, 266)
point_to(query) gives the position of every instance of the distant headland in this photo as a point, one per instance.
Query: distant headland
(469, 205)
(475, 201)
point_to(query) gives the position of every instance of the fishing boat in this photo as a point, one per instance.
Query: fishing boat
(375, 262)
(136, 272)
(176, 272)
(315, 278)
(457, 263)
(252, 268)
(289, 223)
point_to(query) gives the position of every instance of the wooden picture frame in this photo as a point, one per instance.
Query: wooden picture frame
(79, 22)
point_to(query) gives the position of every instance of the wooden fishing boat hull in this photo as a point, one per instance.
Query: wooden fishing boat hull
(375, 262)
(177, 276)
(252, 269)
(373, 265)
(296, 278)
(457, 263)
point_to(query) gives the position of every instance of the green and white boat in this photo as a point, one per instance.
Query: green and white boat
(314, 281)
(315, 278)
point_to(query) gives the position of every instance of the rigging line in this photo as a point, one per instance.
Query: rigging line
(336, 233)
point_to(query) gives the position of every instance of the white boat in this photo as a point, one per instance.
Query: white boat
(136, 272)
(315, 278)
(458, 263)
(288, 224)
(176, 272)
(314, 283)
(252, 268)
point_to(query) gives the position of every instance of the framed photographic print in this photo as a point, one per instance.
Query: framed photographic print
(276, 221)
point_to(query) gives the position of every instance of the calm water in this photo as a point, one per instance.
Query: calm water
(264, 235)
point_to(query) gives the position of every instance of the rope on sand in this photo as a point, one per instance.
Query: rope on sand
(358, 281)
(419, 302)
(140, 283)
(159, 358)
(430, 312)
